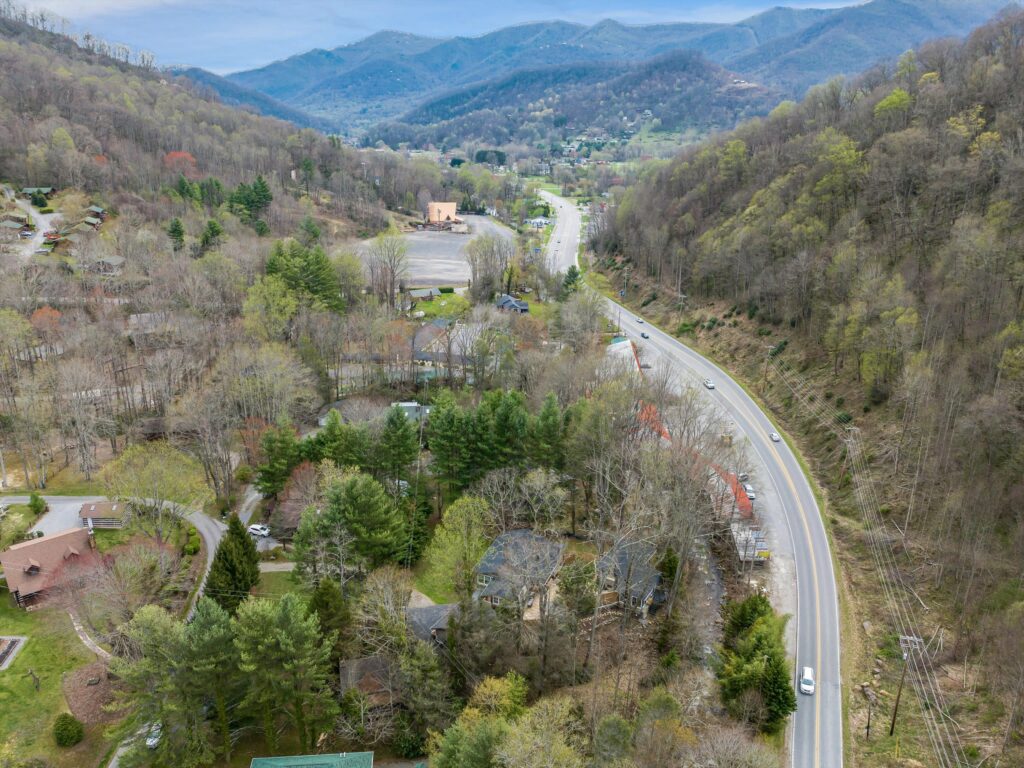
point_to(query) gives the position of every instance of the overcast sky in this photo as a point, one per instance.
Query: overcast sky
(230, 35)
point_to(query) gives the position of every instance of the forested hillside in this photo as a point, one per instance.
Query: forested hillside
(681, 91)
(377, 79)
(873, 235)
(74, 118)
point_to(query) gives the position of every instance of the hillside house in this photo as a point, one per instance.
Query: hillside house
(33, 567)
(429, 623)
(95, 210)
(103, 514)
(44, 191)
(516, 567)
(629, 577)
(508, 303)
(414, 411)
(424, 294)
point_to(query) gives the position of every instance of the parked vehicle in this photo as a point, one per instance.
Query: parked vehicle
(153, 734)
(259, 530)
(807, 681)
(743, 477)
(750, 491)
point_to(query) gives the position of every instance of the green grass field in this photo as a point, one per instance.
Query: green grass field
(19, 518)
(27, 715)
(278, 583)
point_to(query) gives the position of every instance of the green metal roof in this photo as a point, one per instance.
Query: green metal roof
(345, 760)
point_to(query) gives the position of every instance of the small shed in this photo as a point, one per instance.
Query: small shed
(508, 303)
(103, 514)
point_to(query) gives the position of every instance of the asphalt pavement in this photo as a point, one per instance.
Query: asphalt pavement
(787, 504)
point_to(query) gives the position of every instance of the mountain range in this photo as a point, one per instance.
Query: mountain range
(390, 74)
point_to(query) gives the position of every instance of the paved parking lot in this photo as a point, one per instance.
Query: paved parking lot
(439, 258)
(62, 514)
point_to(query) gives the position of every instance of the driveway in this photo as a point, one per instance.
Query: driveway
(43, 222)
(62, 514)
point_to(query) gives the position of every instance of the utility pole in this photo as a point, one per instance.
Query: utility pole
(899, 692)
(867, 732)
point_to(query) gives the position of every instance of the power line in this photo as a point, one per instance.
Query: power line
(943, 732)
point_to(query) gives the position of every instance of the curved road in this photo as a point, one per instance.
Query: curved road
(801, 555)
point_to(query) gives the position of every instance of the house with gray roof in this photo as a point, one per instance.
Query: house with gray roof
(429, 623)
(508, 303)
(630, 577)
(516, 566)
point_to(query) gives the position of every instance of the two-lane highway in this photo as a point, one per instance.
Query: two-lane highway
(787, 504)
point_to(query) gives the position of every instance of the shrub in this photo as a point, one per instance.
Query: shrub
(839, 401)
(244, 474)
(446, 289)
(67, 731)
(46, 209)
(684, 328)
(844, 417)
(192, 544)
(764, 331)
(36, 504)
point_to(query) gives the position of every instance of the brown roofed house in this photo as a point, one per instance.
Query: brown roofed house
(443, 214)
(103, 514)
(34, 566)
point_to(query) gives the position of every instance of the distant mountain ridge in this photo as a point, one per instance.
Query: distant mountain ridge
(390, 73)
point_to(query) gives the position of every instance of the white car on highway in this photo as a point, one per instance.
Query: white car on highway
(775, 437)
(259, 530)
(807, 681)
(709, 384)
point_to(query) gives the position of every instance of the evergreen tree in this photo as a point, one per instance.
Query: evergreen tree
(211, 192)
(547, 437)
(448, 440)
(211, 663)
(334, 615)
(287, 667)
(309, 232)
(260, 197)
(346, 445)
(397, 446)
(428, 693)
(510, 430)
(376, 525)
(211, 235)
(176, 232)
(571, 281)
(776, 687)
(235, 568)
(282, 452)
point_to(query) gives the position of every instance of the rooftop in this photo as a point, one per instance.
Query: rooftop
(341, 760)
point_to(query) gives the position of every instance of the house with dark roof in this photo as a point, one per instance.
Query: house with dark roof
(516, 566)
(103, 514)
(629, 577)
(35, 566)
(508, 303)
(429, 623)
(336, 760)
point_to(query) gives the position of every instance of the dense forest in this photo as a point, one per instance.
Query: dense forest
(680, 91)
(876, 228)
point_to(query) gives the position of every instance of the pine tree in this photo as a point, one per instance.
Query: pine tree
(448, 441)
(376, 525)
(176, 232)
(261, 197)
(282, 452)
(397, 446)
(334, 615)
(510, 430)
(309, 232)
(547, 438)
(235, 569)
(776, 686)
(287, 667)
(428, 693)
(211, 663)
(211, 235)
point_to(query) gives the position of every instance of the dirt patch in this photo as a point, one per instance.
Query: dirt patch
(88, 702)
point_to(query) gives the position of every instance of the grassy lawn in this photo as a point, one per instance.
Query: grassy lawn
(446, 305)
(434, 588)
(19, 519)
(278, 583)
(545, 311)
(109, 538)
(28, 715)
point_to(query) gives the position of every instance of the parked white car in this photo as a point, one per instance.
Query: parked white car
(807, 681)
(750, 491)
(153, 734)
(259, 530)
